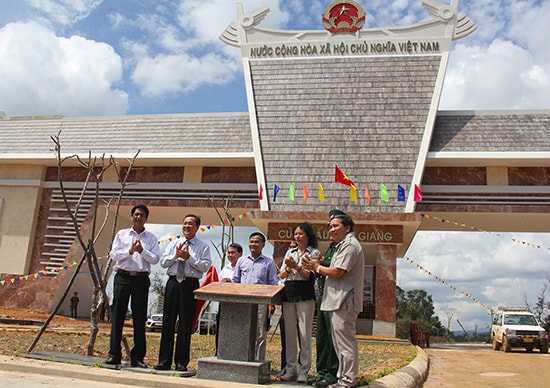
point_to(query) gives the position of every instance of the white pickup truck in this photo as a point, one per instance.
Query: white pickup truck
(517, 327)
(154, 322)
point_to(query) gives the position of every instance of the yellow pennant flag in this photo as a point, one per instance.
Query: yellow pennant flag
(353, 193)
(321, 193)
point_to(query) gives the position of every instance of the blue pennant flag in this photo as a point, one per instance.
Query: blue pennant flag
(275, 192)
(400, 193)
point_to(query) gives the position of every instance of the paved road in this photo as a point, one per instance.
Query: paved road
(480, 366)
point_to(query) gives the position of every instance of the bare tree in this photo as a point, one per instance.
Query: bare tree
(541, 309)
(227, 237)
(96, 168)
(158, 287)
(228, 228)
(448, 328)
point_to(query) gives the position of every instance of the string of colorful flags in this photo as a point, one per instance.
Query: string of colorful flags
(341, 177)
(455, 223)
(227, 221)
(446, 221)
(440, 280)
(39, 274)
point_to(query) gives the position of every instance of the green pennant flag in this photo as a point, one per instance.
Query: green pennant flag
(384, 195)
(291, 192)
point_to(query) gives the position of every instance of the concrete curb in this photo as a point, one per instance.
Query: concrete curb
(411, 376)
(145, 378)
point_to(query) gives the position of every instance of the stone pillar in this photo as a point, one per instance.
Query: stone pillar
(279, 250)
(237, 332)
(385, 284)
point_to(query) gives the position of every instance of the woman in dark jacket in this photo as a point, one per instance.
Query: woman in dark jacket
(298, 303)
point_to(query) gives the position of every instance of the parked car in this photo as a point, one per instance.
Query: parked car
(154, 322)
(208, 323)
(517, 327)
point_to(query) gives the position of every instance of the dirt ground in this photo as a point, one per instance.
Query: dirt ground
(380, 355)
(40, 316)
(32, 315)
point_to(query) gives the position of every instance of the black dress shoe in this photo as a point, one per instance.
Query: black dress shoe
(138, 364)
(321, 383)
(112, 360)
(162, 367)
(181, 368)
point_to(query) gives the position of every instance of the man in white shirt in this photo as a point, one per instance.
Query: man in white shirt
(234, 251)
(134, 250)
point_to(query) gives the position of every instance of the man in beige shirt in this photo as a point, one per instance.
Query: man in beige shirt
(343, 296)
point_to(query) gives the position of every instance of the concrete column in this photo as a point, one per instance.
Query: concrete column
(385, 284)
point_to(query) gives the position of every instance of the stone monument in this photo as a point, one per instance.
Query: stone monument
(237, 332)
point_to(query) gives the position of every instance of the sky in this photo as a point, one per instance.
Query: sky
(127, 57)
(95, 57)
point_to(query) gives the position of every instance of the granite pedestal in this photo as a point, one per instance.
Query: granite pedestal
(237, 332)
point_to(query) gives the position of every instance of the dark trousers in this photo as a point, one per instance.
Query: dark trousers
(327, 361)
(179, 305)
(283, 340)
(136, 289)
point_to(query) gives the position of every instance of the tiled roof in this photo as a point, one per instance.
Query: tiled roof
(178, 133)
(301, 142)
(492, 132)
(366, 115)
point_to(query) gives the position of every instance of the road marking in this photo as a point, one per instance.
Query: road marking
(498, 374)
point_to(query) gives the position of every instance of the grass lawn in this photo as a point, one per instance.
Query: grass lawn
(377, 358)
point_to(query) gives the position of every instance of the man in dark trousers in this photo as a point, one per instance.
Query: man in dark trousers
(134, 251)
(187, 259)
(74, 304)
(343, 296)
(327, 361)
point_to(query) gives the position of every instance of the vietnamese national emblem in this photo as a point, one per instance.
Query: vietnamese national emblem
(343, 17)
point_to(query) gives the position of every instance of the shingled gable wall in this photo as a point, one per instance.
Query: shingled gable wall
(366, 115)
(315, 105)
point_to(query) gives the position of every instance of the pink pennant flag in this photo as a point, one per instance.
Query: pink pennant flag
(261, 192)
(417, 194)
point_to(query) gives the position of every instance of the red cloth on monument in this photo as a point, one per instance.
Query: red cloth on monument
(211, 276)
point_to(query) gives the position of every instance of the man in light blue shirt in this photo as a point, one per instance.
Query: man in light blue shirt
(257, 269)
(187, 259)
